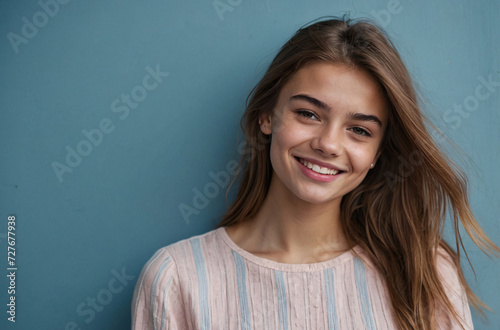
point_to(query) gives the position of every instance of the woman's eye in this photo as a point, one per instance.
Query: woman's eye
(307, 114)
(360, 131)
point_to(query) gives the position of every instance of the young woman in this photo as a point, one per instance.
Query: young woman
(338, 220)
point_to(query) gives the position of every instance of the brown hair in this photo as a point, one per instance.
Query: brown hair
(397, 213)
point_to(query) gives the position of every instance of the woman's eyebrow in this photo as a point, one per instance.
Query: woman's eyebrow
(364, 117)
(322, 105)
(309, 99)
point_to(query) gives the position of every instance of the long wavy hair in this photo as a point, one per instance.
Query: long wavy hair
(397, 213)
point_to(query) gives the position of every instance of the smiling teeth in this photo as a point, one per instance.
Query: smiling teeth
(318, 169)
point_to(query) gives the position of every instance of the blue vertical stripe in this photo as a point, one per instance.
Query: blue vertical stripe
(282, 303)
(202, 283)
(242, 292)
(165, 301)
(152, 304)
(330, 299)
(364, 299)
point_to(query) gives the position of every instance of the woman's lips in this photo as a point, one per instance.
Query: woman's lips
(330, 175)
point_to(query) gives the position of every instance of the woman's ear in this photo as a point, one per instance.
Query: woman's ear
(265, 124)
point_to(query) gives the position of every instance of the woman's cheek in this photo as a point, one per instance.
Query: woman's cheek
(361, 157)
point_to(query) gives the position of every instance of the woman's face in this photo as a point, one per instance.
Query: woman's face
(326, 131)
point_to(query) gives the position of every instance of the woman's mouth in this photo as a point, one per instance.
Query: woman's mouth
(317, 168)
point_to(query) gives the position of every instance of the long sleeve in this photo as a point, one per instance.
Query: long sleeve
(456, 294)
(157, 302)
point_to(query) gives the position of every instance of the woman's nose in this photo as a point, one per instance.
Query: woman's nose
(328, 140)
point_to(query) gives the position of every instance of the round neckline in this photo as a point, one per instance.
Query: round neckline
(268, 263)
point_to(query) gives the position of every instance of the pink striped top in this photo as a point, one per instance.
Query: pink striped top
(209, 282)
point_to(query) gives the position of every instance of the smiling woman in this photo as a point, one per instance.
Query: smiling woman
(329, 117)
(317, 238)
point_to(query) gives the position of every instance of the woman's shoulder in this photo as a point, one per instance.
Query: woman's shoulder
(192, 244)
(448, 271)
(443, 262)
(449, 274)
(191, 248)
(175, 262)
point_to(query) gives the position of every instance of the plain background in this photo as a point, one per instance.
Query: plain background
(120, 202)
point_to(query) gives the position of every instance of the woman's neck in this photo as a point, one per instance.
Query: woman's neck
(290, 230)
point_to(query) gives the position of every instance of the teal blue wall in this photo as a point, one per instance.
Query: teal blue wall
(87, 231)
